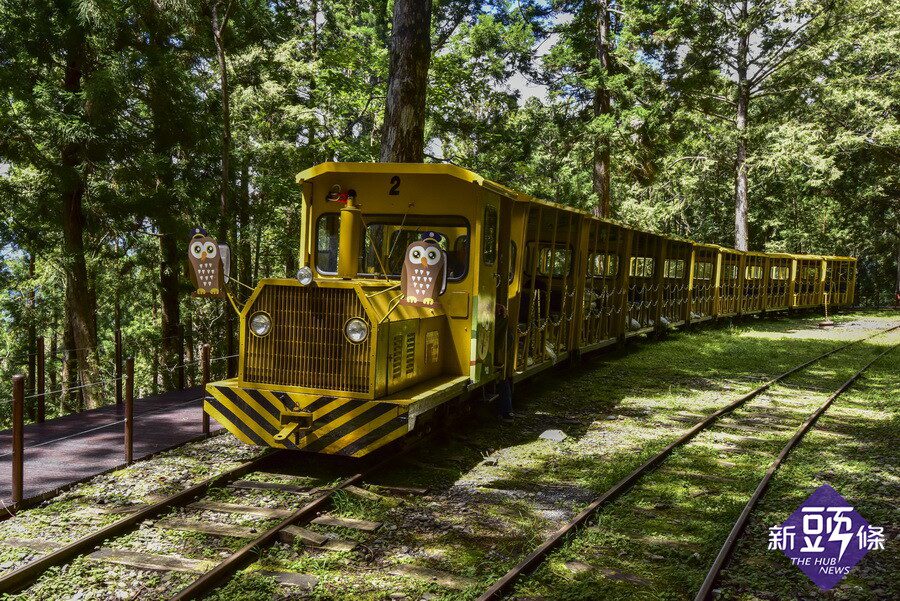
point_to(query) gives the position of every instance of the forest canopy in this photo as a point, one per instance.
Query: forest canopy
(762, 124)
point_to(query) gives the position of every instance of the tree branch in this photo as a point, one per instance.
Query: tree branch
(781, 54)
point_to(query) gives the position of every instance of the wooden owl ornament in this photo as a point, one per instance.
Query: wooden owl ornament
(205, 258)
(423, 277)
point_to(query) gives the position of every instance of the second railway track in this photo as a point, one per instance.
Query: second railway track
(534, 559)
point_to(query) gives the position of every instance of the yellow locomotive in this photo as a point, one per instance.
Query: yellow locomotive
(394, 311)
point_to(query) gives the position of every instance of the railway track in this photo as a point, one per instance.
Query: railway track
(318, 500)
(30, 572)
(734, 536)
(222, 572)
(503, 585)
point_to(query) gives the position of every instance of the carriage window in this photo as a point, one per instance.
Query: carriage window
(674, 269)
(703, 271)
(555, 262)
(383, 247)
(753, 272)
(810, 273)
(327, 234)
(489, 237)
(779, 272)
(731, 272)
(601, 265)
(641, 267)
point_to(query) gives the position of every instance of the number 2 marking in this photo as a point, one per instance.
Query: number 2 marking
(395, 186)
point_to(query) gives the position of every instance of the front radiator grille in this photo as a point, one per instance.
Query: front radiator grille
(306, 346)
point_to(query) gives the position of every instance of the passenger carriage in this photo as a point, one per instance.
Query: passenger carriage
(339, 360)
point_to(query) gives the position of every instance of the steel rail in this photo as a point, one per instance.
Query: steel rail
(29, 573)
(533, 559)
(741, 523)
(246, 554)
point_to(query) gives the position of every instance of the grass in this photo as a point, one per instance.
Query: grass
(853, 448)
(657, 541)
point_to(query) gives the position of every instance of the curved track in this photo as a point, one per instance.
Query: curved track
(741, 523)
(536, 557)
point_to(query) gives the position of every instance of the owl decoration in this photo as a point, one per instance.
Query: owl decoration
(423, 277)
(206, 257)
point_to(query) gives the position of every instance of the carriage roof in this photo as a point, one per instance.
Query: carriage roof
(455, 171)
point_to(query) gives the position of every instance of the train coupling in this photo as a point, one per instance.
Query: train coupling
(294, 423)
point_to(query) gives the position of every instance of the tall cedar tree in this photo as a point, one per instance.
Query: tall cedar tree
(403, 133)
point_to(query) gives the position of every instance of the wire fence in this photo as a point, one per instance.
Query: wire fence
(64, 399)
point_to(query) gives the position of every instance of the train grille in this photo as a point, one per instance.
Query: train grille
(306, 346)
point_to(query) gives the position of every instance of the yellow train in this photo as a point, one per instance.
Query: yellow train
(421, 284)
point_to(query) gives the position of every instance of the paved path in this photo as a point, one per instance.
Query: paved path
(78, 446)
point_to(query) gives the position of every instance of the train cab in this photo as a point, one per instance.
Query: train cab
(338, 360)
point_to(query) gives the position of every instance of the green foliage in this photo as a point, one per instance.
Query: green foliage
(308, 83)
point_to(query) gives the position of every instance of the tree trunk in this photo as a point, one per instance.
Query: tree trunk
(290, 247)
(219, 26)
(602, 109)
(246, 269)
(256, 251)
(165, 211)
(741, 202)
(67, 397)
(31, 316)
(79, 298)
(403, 136)
(189, 349)
(313, 97)
(52, 372)
(897, 289)
(170, 261)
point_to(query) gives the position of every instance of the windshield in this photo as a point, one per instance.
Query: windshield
(385, 241)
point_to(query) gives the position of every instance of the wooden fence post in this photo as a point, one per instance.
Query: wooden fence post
(129, 410)
(118, 366)
(41, 381)
(18, 438)
(204, 360)
(180, 357)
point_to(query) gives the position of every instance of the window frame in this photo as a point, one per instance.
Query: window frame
(643, 262)
(703, 270)
(406, 220)
(541, 246)
(316, 250)
(679, 269)
(606, 260)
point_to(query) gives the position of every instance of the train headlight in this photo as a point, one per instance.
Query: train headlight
(260, 324)
(356, 330)
(305, 276)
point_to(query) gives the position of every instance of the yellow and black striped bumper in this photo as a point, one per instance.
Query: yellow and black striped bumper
(350, 427)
